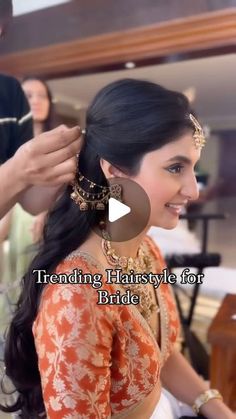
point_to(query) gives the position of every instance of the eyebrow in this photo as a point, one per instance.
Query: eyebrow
(183, 159)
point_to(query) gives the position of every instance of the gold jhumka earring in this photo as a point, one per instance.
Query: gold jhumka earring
(198, 136)
(93, 196)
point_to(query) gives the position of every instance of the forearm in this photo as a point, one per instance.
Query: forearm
(185, 384)
(34, 199)
(38, 199)
(181, 380)
(11, 186)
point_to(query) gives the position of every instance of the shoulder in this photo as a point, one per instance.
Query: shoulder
(9, 84)
(13, 103)
(72, 310)
(6, 88)
(79, 260)
(74, 286)
(7, 79)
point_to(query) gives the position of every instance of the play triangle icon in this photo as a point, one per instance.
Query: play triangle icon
(117, 210)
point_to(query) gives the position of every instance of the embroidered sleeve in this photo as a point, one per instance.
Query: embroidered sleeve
(73, 339)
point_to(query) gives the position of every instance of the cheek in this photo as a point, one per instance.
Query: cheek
(159, 192)
(43, 111)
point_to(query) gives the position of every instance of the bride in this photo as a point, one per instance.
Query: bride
(70, 357)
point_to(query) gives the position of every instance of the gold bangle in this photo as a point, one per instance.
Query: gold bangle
(204, 397)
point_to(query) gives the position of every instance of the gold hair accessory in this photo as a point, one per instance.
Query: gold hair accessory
(198, 136)
(87, 198)
(140, 264)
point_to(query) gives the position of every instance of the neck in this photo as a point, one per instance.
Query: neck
(129, 248)
(38, 128)
(128, 224)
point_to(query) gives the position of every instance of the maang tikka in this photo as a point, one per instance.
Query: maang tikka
(198, 136)
(93, 196)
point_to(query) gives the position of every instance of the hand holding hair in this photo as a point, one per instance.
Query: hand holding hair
(50, 158)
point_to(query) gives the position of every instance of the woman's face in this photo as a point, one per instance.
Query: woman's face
(37, 96)
(167, 176)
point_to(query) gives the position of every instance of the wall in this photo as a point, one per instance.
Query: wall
(80, 19)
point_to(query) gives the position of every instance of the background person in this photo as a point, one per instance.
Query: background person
(22, 228)
(47, 161)
(40, 100)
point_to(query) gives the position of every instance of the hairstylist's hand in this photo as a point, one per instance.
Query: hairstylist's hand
(37, 227)
(50, 158)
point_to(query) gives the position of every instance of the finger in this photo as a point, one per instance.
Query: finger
(68, 167)
(64, 154)
(56, 139)
(63, 180)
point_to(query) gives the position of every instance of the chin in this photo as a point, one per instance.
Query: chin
(170, 227)
(38, 115)
(167, 224)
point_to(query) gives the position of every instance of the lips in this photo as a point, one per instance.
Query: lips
(176, 208)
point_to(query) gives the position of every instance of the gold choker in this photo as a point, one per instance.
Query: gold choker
(141, 264)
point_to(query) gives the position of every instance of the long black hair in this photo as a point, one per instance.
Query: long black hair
(127, 119)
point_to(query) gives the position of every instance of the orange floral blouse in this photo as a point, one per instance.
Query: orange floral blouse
(99, 361)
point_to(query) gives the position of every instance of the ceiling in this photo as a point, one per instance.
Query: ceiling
(214, 79)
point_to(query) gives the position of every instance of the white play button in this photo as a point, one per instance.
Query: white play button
(116, 210)
(122, 221)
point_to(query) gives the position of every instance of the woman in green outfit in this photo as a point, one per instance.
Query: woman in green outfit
(22, 229)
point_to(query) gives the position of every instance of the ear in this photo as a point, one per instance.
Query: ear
(109, 170)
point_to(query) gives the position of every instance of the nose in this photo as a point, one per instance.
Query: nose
(190, 188)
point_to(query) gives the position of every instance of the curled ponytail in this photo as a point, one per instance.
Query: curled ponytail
(66, 229)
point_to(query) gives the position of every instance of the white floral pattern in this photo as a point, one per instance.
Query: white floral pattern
(97, 362)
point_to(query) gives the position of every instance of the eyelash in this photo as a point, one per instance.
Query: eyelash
(176, 169)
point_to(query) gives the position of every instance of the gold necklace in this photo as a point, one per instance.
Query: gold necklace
(141, 264)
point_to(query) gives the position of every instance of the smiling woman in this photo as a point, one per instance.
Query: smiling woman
(68, 355)
(169, 180)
